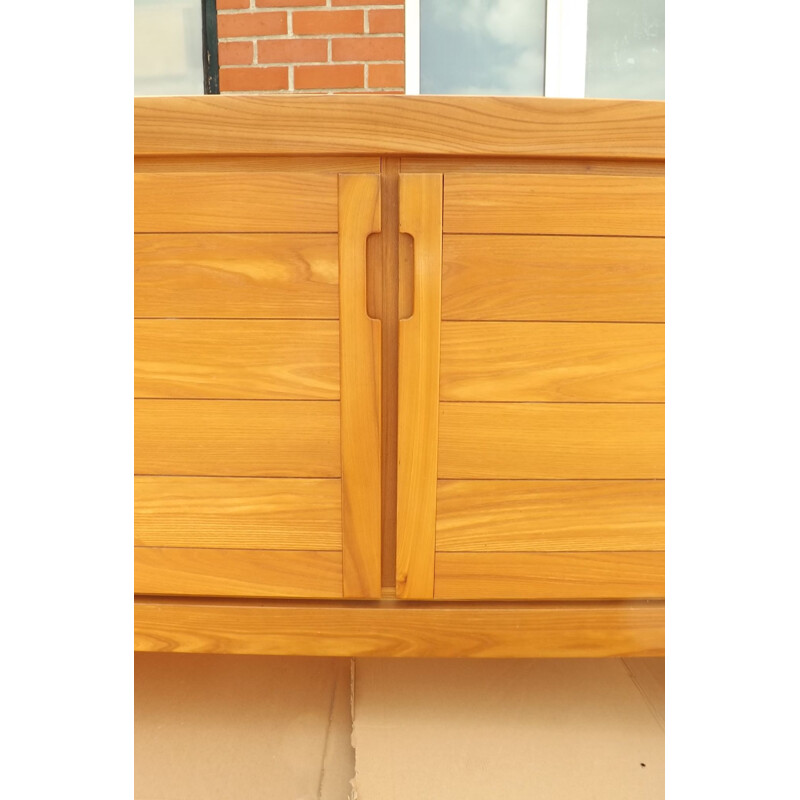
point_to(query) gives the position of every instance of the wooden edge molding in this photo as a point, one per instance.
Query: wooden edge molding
(360, 389)
(418, 389)
(400, 629)
(399, 125)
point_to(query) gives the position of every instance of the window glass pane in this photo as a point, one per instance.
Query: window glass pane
(625, 49)
(167, 47)
(482, 47)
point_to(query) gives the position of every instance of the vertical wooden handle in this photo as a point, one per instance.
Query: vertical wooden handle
(360, 390)
(418, 388)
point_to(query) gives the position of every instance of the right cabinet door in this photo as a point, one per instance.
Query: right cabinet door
(531, 388)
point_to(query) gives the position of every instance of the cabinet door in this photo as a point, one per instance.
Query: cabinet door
(531, 417)
(257, 381)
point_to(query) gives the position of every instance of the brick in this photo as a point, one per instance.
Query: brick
(382, 76)
(369, 49)
(288, 3)
(292, 51)
(387, 20)
(368, 2)
(329, 76)
(223, 5)
(235, 53)
(326, 22)
(265, 23)
(253, 79)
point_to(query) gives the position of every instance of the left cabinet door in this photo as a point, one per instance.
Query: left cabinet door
(257, 384)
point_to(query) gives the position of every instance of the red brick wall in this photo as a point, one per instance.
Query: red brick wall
(311, 46)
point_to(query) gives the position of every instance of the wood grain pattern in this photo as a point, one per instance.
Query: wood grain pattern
(181, 202)
(273, 275)
(529, 516)
(533, 165)
(359, 216)
(399, 125)
(248, 438)
(237, 573)
(552, 576)
(237, 359)
(418, 389)
(406, 630)
(241, 163)
(551, 440)
(552, 278)
(239, 513)
(391, 265)
(554, 204)
(552, 361)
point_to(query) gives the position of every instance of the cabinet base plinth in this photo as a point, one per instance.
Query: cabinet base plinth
(388, 628)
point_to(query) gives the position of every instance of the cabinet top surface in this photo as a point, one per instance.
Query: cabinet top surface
(399, 125)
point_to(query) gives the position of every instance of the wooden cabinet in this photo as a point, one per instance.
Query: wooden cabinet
(258, 385)
(393, 354)
(532, 387)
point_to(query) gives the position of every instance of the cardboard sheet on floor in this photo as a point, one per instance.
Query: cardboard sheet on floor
(575, 729)
(243, 727)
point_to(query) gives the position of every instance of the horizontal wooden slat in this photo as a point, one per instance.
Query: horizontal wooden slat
(272, 275)
(570, 278)
(552, 361)
(554, 204)
(551, 440)
(237, 359)
(519, 516)
(237, 573)
(173, 202)
(349, 125)
(408, 630)
(233, 163)
(240, 513)
(532, 166)
(557, 576)
(250, 438)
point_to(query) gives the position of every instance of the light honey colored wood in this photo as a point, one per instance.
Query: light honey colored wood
(247, 438)
(237, 573)
(555, 278)
(273, 275)
(234, 163)
(551, 440)
(418, 389)
(237, 359)
(528, 516)
(552, 361)
(532, 165)
(391, 264)
(554, 204)
(566, 536)
(549, 576)
(183, 202)
(239, 513)
(399, 125)
(401, 629)
(359, 216)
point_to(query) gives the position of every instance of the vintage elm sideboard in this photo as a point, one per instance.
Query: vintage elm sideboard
(399, 376)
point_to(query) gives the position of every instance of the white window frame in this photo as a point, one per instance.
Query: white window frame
(565, 48)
